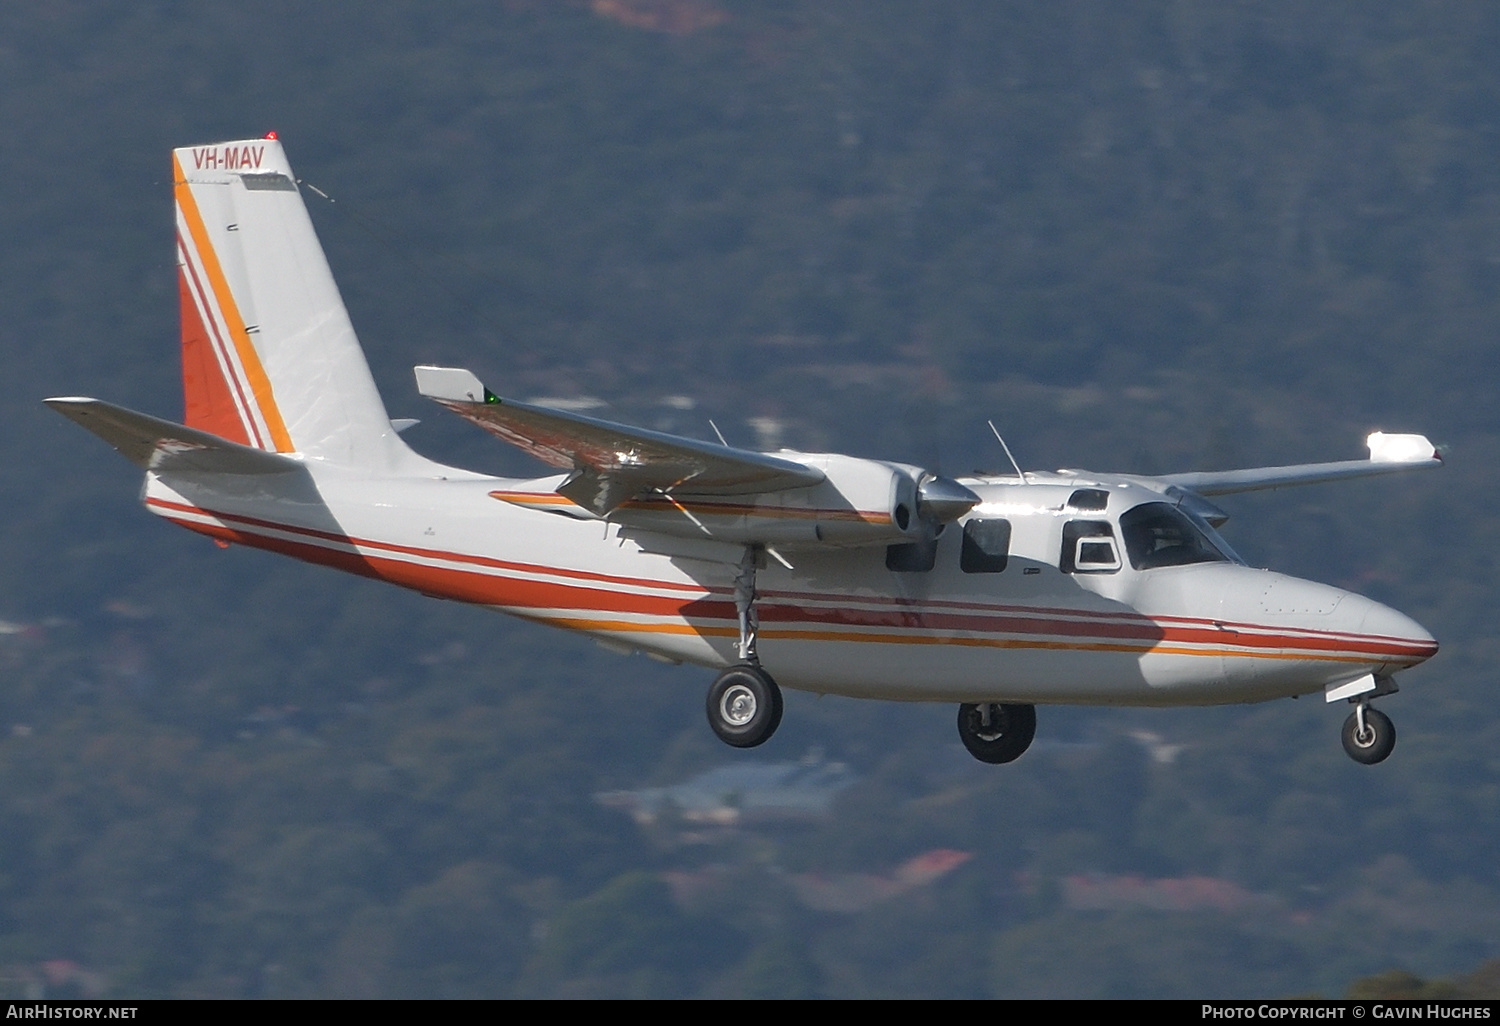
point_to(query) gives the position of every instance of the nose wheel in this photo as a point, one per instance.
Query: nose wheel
(1369, 735)
(996, 733)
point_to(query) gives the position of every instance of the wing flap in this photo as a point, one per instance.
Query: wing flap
(162, 446)
(611, 463)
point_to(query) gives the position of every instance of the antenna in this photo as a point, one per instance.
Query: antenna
(718, 432)
(1019, 472)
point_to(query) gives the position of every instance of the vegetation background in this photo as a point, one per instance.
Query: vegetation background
(1146, 237)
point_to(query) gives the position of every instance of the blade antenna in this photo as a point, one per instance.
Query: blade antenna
(1019, 472)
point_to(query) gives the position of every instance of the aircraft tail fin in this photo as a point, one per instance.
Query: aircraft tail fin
(269, 357)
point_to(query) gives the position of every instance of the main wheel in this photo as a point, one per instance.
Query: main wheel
(1375, 742)
(997, 733)
(744, 706)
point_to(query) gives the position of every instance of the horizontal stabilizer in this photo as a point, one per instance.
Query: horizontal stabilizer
(1388, 455)
(162, 446)
(612, 463)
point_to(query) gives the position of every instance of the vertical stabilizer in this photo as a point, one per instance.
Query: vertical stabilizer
(269, 358)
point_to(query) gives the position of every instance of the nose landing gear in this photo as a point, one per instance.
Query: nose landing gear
(1368, 735)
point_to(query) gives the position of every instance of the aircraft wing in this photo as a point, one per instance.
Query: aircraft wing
(160, 445)
(1388, 455)
(612, 463)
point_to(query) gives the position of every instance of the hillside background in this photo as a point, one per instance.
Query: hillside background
(1141, 237)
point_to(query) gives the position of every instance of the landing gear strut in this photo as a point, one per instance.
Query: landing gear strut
(1369, 735)
(996, 733)
(744, 703)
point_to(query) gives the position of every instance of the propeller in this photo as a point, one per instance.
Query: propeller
(942, 499)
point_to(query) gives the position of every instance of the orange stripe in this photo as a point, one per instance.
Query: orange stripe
(925, 608)
(702, 630)
(487, 562)
(260, 385)
(743, 509)
(528, 598)
(539, 500)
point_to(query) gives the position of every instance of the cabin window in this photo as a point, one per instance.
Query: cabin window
(1089, 500)
(986, 547)
(911, 558)
(1159, 534)
(1088, 547)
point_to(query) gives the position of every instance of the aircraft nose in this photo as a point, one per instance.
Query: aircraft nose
(1396, 635)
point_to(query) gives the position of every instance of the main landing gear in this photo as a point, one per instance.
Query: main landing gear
(996, 733)
(744, 703)
(1369, 735)
(744, 706)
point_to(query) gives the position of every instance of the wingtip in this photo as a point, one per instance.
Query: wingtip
(450, 384)
(1402, 448)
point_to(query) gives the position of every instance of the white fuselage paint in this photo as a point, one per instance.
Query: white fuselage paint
(839, 622)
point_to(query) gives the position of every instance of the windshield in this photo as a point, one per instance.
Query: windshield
(1158, 534)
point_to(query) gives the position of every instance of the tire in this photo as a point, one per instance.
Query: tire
(744, 706)
(1004, 739)
(1379, 739)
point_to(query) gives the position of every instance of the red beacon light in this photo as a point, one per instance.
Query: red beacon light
(270, 135)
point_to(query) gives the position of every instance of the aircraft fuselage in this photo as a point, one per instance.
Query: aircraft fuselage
(1066, 610)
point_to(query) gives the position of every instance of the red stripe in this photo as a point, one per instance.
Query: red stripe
(1141, 629)
(920, 606)
(208, 402)
(493, 589)
(246, 406)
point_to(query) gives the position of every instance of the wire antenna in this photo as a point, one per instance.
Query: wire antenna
(718, 432)
(1019, 472)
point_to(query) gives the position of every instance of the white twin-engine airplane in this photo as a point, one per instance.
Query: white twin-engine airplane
(814, 571)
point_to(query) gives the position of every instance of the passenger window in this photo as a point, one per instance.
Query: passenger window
(911, 558)
(1089, 500)
(1088, 547)
(986, 547)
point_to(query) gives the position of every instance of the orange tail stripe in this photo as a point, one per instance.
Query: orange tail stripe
(260, 385)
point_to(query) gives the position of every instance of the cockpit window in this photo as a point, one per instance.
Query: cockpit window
(1159, 534)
